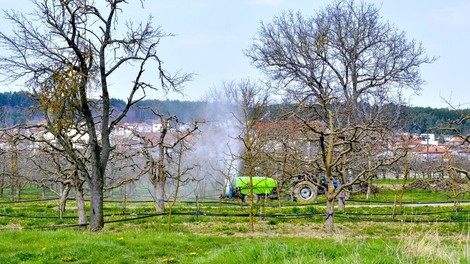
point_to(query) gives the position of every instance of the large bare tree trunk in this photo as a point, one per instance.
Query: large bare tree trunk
(157, 178)
(1, 187)
(63, 199)
(96, 202)
(406, 172)
(43, 192)
(330, 204)
(330, 208)
(251, 213)
(12, 192)
(19, 188)
(124, 198)
(14, 173)
(342, 201)
(79, 197)
(159, 196)
(369, 178)
(343, 195)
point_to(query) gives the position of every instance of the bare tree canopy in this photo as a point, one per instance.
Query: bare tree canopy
(66, 53)
(344, 51)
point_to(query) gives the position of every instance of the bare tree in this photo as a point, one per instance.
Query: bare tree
(14, 160)
(2, 171)
(157, 150)
(124, 167)
(456, 156)
(50, 170)
(249, 103)
(178, 172)
(287, 152)
(342, 67)
(67, 52)
(53, 165)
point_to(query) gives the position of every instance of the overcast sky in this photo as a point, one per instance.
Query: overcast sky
(212, 34)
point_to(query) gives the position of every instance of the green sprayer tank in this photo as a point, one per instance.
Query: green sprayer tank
(261, 185)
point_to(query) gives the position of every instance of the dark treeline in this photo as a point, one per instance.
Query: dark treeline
(18, 108)
(185, 111)
(422, 119)
(16, 100)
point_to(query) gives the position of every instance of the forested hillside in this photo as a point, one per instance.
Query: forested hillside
(419, 119)
(17, 108)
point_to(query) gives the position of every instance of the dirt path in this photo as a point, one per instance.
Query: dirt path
(407, 204)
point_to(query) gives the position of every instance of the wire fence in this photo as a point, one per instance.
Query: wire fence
(201, 210)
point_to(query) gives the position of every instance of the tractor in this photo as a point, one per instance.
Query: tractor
(304, 188)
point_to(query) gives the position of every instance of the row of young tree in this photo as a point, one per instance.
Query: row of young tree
(340, 68)
(32, 156)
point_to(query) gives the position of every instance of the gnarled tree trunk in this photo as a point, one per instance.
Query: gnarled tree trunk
(82, 221)
(96, 203)
(330, 219)
(63, 199)
(159, 187)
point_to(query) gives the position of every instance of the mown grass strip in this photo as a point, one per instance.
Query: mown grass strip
(151, 244)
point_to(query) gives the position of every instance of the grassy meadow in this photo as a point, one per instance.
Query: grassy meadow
(367, 232)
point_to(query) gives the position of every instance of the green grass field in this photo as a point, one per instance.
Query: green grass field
(367, 232)
(215, 243)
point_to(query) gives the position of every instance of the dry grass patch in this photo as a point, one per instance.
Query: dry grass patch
(435, 247)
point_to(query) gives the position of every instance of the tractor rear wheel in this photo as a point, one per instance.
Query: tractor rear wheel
(305, 191)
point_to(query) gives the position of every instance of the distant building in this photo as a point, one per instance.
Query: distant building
(128, 128)
(428, 140)
(156, 127)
